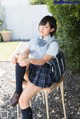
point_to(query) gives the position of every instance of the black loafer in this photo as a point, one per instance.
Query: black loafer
(14, 99)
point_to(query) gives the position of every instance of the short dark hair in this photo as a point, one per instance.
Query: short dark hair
(52, 23)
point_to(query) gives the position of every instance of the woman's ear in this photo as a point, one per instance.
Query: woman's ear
(52, 29)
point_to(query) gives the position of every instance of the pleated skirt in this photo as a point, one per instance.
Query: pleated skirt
(40, 75)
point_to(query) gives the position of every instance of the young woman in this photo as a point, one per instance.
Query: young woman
(38, 71)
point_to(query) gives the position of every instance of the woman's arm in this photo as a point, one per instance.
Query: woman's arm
(23, 55)
(18, 57)
(41, 61)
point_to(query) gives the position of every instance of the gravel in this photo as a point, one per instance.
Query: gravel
(71, 94)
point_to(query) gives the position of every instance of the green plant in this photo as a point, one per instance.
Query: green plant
(1, 22)
(5, 30)
(33, 2)
(68, 33)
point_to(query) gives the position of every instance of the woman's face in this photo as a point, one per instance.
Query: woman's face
(45, 30)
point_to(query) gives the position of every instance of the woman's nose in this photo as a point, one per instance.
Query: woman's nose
(42, 27)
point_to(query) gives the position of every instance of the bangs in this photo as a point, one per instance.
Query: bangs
(43, 22)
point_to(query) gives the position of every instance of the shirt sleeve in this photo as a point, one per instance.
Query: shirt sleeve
(30, 44)
(53, 49)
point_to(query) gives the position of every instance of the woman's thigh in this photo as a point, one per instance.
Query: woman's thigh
(26, 74)
(30, 91)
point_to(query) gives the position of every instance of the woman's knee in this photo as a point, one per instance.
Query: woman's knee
(23, 102)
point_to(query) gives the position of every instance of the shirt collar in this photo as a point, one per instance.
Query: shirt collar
(48, 38)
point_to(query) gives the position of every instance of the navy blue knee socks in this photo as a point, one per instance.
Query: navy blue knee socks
(27, 113)
(20, 71)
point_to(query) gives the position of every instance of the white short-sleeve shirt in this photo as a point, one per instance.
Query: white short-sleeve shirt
(39, 47)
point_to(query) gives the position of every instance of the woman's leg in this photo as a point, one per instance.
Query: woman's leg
(20, 71)
(30, 91)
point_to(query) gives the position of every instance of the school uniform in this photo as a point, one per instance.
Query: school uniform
(40, 75)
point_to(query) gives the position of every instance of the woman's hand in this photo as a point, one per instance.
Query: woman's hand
(24, 62)
(20, 58)
(14, 59)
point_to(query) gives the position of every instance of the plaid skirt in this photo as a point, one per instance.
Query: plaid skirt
(40, 75)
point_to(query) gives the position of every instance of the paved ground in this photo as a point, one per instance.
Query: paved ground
(71, 89)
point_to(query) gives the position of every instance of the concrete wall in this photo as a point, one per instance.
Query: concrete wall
(23, 20)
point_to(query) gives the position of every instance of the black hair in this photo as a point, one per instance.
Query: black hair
(52, 23)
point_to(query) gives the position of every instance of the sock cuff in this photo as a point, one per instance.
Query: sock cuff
(27, 113)
(28, 109)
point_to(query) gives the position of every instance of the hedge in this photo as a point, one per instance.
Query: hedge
(68, 32)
